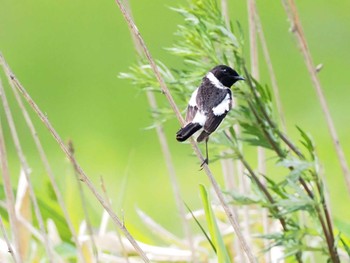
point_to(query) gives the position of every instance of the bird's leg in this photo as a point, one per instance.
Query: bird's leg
(206, 160)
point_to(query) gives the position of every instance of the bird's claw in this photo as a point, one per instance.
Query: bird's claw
(206, 161)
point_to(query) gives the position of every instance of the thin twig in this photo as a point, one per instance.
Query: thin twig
(48, 169)
(177, 112)
(293, 16)
(26, 170)
(297, 29)
(253, 30)
(270, 67)
(123, 250)
(225, 13)
(327, 232)
(255, 178)
(236, 170)
(9, 247)
(10, 199)
(172, 174)
(80, 171)
(83, 201)
(166, 151)
(153, 65)
(254, 61)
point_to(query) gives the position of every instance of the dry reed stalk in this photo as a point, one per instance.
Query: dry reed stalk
(177, 112)
(225, 12)
(297, 30)
(80, 171)
(254, 58)
(48, 169)
(83, 201)
(166, 151)
(268, 61)
(8, 243)
(10, 199)
(26, 170)
(237, 170)
(172, 175)
(104, 190)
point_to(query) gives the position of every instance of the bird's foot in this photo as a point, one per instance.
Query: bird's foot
(206, 161)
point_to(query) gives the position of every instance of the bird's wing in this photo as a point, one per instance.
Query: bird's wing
(192, 107)
(213, 121)
(218, 113)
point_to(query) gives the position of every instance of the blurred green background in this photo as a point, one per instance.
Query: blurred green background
(67, 54)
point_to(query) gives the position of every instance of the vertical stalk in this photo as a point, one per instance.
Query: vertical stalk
(10, 199)
(26, 170)
(327, 232)
(84, 178)
(177, 112)
(48, 169)
(166, 152)
(292, 13)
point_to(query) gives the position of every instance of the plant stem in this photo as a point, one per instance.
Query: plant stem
(166, 151)
(48, 169)
(177, 112)
(327, 232)
(80, 171)
(8, 243)
(270, 67)
(83, 202)
(292, 13)
(136, 33)
(10, 199)
(26, 170)
(261, 186)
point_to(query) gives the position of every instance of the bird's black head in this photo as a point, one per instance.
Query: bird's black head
(226, 75)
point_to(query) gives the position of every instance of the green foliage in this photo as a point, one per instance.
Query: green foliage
(214, 231)
(201, 228)
(204, 41)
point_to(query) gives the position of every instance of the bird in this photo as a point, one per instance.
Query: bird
(208, 105)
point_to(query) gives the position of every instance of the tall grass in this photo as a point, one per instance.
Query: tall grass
(274, 211)
(297, 199)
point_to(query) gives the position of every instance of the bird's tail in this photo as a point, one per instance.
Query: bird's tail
(202, 136)
(184, 133)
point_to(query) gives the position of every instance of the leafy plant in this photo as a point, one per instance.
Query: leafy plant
(297, 199)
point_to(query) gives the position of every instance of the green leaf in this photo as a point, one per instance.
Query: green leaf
(346, 246)
(202, 228)
(242, 199)
(214, 231)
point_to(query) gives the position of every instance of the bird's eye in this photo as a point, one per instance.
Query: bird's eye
(224, 70)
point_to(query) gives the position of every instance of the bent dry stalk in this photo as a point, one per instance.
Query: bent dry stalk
(176, 110)
(79, 170)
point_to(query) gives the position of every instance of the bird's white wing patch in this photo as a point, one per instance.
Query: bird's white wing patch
(193, 98)
(215, 81)
(223, 107)
(200, 118)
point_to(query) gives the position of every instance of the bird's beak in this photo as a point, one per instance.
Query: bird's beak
(239, 78)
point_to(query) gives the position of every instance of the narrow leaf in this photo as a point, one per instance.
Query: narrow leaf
(214, 231)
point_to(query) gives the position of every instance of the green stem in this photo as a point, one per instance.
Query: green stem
(261, 186)
(328, 232)
(273, 209)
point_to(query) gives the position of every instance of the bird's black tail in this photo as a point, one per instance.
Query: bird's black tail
(184, 133)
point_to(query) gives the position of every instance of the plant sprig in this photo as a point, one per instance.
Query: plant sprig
(204, 39)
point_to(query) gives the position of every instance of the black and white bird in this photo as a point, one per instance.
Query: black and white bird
(209, 105)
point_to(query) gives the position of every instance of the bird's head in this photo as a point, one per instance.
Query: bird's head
(226, 75)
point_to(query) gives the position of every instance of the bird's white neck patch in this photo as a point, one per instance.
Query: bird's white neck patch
(215, 81)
